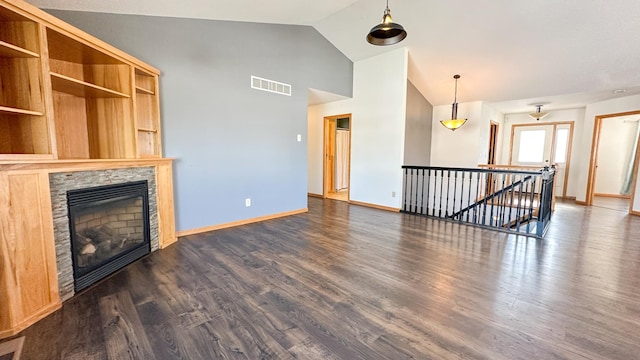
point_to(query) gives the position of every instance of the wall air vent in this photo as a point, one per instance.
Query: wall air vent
(270, 86)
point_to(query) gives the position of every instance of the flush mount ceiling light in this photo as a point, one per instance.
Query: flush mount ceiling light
(454, 123)
(538, 115)
(387, 32)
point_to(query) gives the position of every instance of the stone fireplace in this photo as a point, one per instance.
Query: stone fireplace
(107, 229)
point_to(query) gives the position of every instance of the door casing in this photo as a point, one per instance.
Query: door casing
(329, 152)
(593, 162)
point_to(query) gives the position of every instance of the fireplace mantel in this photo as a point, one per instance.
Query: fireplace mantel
(29, 288)
(80, 164)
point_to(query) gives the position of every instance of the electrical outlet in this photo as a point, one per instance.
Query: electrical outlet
(393, 194)
(247, 202)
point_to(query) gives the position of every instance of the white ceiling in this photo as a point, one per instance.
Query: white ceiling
(512, 54)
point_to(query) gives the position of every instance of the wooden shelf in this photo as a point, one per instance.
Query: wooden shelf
(66, 48)
(80, 88)
(148, 130)
(12, 51)
(21, 158)
(141, 90)
(14, 111)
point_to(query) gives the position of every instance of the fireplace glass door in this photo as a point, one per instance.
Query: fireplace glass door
(109, 229)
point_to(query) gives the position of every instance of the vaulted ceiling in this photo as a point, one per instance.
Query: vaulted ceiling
(512, 54)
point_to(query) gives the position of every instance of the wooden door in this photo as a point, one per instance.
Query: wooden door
(531, 145)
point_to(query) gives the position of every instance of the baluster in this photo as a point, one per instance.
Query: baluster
(426, 196)
(479, 216)
(503, 197)
(421, 192)
(439, 202)
(460, 216)
(495, 200)
(491, 201)
(480, 197)
(511, 205)
(404, 194)
(446, 206)
(417, 192)
(470, 199)
(410, 198)
(530, 198)
(435, 190)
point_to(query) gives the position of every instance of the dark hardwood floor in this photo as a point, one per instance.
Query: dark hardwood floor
(348, 282)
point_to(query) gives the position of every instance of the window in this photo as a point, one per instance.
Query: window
(531, 148)
(562, 140)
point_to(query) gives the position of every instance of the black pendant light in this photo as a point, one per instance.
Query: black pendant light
(387, 32)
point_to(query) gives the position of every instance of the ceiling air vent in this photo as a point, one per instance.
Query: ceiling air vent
(270, 86)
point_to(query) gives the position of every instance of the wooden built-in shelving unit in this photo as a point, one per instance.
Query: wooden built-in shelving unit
(67, 101)
(67, 95)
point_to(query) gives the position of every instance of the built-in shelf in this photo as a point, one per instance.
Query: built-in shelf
(141, 90)
(81, 88)
(9, 50)
(68, 48)
(148, 130)
(15, 111)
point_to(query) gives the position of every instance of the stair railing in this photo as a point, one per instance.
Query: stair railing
(514, 201)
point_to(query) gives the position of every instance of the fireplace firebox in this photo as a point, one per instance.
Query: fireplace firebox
(109, 228)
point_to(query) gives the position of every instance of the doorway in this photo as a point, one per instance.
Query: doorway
(619, 133)
(337, 156)
(539, 145)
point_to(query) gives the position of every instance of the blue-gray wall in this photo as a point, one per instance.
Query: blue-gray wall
(230, 142)
(417, 138)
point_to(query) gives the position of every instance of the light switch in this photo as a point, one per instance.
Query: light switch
(299, 137)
